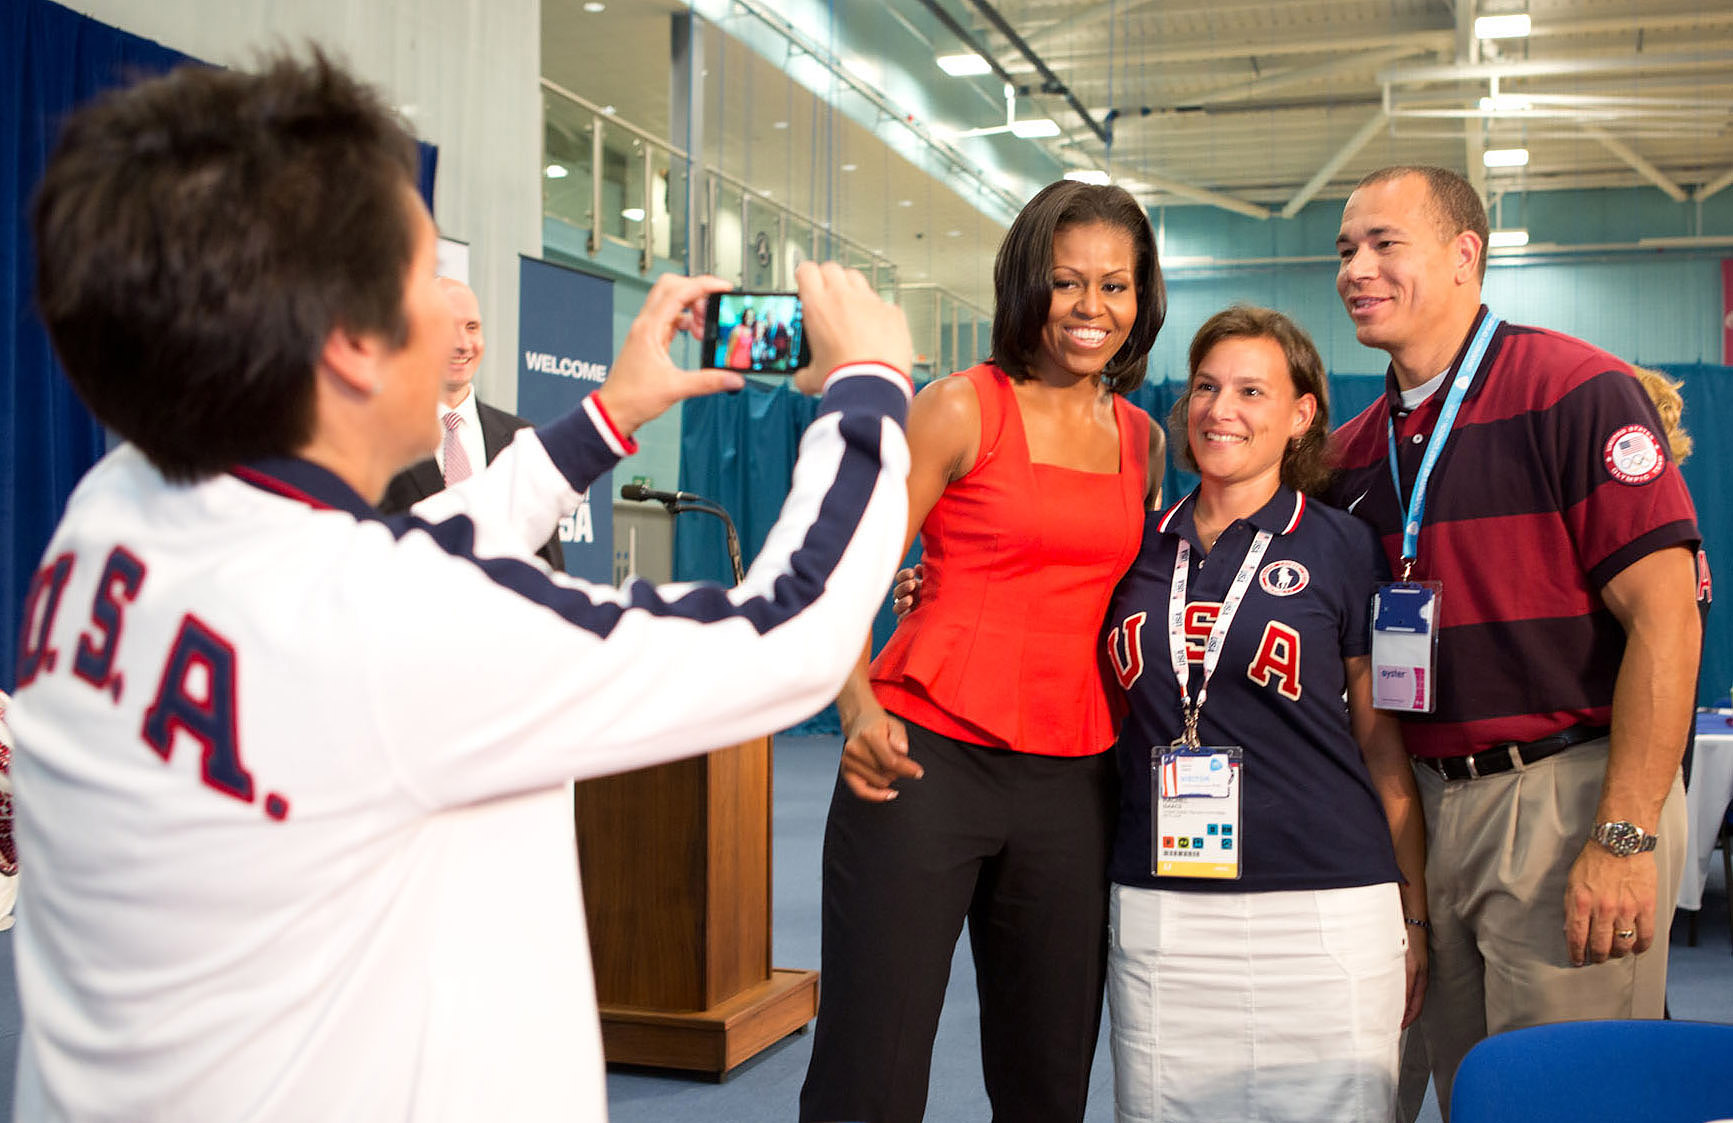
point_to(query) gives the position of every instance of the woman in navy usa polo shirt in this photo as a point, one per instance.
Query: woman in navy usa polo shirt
(1260, 966)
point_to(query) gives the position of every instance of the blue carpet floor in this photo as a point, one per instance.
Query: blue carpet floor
(1700, 987)
(768, 1087)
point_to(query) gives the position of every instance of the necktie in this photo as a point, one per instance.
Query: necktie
(456, 460)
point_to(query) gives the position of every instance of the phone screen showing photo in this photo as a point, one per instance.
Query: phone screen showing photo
(759, 332)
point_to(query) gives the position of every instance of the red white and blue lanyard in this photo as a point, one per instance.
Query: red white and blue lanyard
(1465, 373)
(1218, 632)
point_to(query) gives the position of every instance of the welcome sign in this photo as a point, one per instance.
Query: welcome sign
(565, 343)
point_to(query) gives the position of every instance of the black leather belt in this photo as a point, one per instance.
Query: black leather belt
(1504, 757)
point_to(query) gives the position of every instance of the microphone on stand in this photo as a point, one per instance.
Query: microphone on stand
(679, 501)
(640, 493)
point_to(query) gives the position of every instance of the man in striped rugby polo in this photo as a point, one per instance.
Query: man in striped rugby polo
(1534, 507)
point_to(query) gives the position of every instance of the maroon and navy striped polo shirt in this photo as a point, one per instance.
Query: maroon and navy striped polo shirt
(1555, 478)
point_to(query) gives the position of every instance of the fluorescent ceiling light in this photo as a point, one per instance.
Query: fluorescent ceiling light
(633, 214)
(1090, 175)
(849, 167)
(1501, 27)
(1035, 128)
(1507, 239)
(593, 7)
(964, 65)
(1504, 157)
(1691, 242)
(557, 171)
(1506, 103)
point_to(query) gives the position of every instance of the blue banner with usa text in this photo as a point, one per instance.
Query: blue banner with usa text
(565, 343)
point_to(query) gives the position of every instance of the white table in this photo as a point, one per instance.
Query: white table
(1706, 801)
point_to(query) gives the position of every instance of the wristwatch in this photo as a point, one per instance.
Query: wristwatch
(1623, 838)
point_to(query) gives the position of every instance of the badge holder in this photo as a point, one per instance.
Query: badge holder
(1196, 794)
(1405, 646)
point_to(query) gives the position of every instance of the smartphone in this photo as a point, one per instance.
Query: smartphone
(755, 332)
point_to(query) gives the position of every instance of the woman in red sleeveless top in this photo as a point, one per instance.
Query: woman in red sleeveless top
(976, 780)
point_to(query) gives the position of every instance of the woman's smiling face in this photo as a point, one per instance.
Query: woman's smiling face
(1094, 299)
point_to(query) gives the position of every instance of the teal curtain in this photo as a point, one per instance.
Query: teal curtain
(739, 449)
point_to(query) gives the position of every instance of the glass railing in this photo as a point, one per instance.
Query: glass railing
(620, 184)
(609, 178)
(950, 333)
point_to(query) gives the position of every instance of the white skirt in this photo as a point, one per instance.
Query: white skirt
(1256, 1006)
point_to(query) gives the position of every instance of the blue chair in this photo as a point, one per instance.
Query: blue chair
(1579, 1072)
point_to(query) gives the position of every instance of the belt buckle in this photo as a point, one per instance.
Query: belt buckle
(1468, 762)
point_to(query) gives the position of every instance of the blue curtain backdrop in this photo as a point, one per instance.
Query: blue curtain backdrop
(56, 59)
(739, 450)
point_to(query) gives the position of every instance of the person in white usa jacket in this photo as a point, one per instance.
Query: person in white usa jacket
(292, 859)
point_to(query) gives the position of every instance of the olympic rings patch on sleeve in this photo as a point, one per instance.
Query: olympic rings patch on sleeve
(1633, 455)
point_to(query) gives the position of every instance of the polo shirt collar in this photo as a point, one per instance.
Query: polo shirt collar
(1281, 515)
(1393, 389)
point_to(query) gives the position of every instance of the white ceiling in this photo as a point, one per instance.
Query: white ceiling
(1253, 105)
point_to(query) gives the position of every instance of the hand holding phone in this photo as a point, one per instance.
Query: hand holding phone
(848, 322)
(644, 381)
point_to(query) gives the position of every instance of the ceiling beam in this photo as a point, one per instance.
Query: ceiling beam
(1699, 16)
(1085, 19)
(1720, 182)
(1050, 82)
(1334, 164)
(963, 36)
(1473, 132)
(1642, 167)
(1419, 38)
(1299, 75)
(1201, 194)
(1539, 68)
(1126, 117)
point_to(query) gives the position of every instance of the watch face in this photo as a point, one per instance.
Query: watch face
(1622, 838)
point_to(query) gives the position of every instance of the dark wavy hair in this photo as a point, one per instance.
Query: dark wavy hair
(1306, 463)
(200, 235)
(1023, 278)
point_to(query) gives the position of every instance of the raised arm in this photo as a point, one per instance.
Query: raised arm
(579, 680)
(517, 502)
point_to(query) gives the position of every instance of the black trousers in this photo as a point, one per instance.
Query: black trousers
(1017, 844)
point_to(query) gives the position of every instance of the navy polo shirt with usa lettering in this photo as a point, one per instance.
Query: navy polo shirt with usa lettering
(1310, 817)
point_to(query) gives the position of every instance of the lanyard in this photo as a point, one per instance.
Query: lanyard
(1440, 434)
(1218, 633)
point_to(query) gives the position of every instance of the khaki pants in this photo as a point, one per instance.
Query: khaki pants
(1499, 852)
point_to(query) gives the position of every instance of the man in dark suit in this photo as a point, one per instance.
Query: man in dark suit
(475, 432)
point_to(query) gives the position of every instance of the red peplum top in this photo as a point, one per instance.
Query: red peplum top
(1020, 561)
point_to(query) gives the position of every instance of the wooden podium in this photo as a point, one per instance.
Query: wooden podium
(676, 873)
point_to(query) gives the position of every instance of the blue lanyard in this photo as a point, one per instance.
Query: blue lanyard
(1440, 434)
